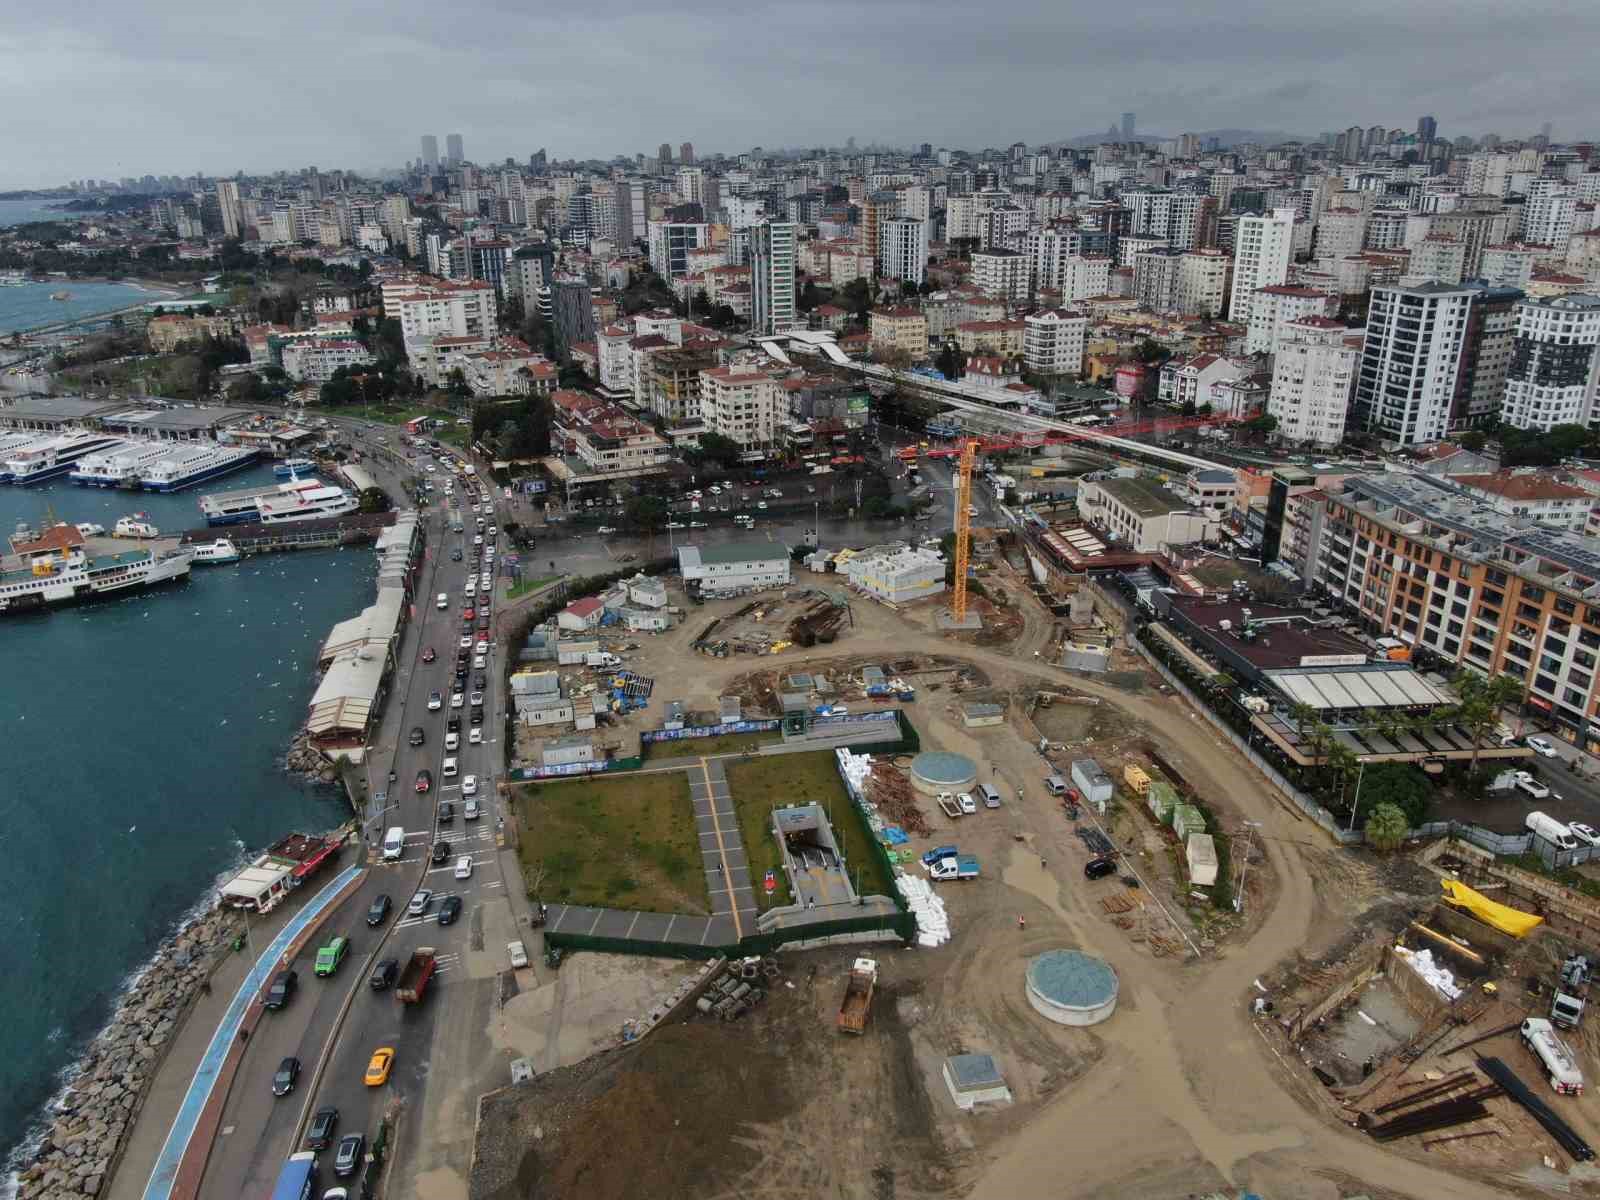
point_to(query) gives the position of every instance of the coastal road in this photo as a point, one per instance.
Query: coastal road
(334, 1024)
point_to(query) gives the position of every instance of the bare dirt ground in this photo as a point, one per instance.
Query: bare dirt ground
(1184, 1094)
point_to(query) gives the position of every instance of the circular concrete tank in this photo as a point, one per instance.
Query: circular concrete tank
(937, 771)
(1072, 988)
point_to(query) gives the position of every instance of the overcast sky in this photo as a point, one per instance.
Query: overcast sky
(105, 89)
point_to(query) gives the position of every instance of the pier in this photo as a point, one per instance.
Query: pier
(254, 538)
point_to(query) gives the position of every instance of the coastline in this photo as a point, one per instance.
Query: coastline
(157, 292)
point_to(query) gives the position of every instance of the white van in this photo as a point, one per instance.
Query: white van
(394, 843)
(1551, 830)
(991, 797)
(443, 601)
(1055, 785)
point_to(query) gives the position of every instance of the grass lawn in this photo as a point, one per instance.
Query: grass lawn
(760, 783)
(530, 585)
(725, 743)
(619, 843)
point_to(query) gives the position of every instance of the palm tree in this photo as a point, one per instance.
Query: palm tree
(1482, 698)
(1386, 827)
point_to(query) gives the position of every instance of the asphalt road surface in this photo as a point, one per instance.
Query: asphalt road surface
(334, 1024)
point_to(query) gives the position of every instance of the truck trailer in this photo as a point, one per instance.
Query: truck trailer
(1554, 1055)
(858, 989)
(414, 976)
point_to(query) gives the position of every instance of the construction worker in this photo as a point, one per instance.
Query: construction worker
(1022, 921)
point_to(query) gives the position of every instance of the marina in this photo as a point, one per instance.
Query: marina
(192, 464)
(120, 465)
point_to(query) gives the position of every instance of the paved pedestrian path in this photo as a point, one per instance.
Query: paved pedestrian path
(727, 866)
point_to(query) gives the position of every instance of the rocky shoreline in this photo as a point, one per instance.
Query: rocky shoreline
(93, 1117)
(304, 759)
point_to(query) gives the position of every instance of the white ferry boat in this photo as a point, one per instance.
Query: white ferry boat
(89, 529)
(118, 466)
(294, 468)
(52, 457)
(53, 568)
(217, 552)
(191, 464)
(234, 508)
(135, 527)
(313, 505)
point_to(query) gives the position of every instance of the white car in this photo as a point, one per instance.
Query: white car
(969, 806)
(472, 587)
(452, 741)
(449, 769)
(1541, 747)
(466, 643)
(457, 699)
(716, 489)
(419, 903)
(472, 811)
(477, 539)
(606, 529)
(518, 954)
(1584, 833)
(464, 867)
(479, 661)
(485, 579)
(475, 738)
(469, 785)
(435, 702)
(476, 509)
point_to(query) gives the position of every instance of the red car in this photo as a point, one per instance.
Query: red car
(424, 780)
(468, 614)
(428, 655)
(483, 635)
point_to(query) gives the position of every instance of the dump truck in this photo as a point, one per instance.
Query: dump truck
(857, 1000)
(1571, 992)
(414, 976)
(950, 805)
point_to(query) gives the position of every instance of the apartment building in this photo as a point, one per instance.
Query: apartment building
(1272, 309)
(1052, 341)
(899, 329)
(991, 337)
(442, 308)
(1531, 494)
(1486, 356)
(314, 360)
(671, 378)
(1203, 283)
(1313, 376)
(1423, 561)
(1262, 248)
(670, 243)
(1001, 273)
(905, 249)
(1143, 514)
(745, 406)
(1411, 360)
(772, 271)
(1554, 368)
(1085, 275)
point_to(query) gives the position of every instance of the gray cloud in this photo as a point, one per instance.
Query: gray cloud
(175, 86)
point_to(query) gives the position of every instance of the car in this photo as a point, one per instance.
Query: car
(476, 509)
(761, 504)
(483, 622)
(480, 681)
(477, 699)
(379, 1066)
(452, 740)
(284, 1079)
(464, 867)
(486, 579)
(419, 902)
(518, 953)
(939, 854)
(698, 525)
(604, 529)
(282, 989)
(1584, 833)
(472, 811)
(453, 725)
(475, 738)
(378, 911)
(1541, 747)
(483, 636)
(418, 735)
(447, 812)
(424, 780)
(469, 614)
(384, 974)
(455, 555)
(716, 489)
(331, 955)
(675, 525)
(348, 1160)
(969, 806)
(457, 699)
(469, 785)
(319, 1134)
(435, 701)
(466, 642)
(460, 677)
(449, 770)
(479, 662)
(1099, 868)
(477, 539)
(449, 910)
(477, 715)
(428, 655)
(972, 510)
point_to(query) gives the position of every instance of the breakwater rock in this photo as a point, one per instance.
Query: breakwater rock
(92, 1118)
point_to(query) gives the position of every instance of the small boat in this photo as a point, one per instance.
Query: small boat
(135, 526)
(294, 468)
(61, 295)
(217, 552)
(90, 529)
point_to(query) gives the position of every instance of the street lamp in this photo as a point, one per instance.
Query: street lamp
(1244, 868)
(1355, 804)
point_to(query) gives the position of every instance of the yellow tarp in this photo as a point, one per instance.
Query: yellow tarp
(1507, 920)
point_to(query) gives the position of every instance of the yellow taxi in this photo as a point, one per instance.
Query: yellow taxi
(378, 1068)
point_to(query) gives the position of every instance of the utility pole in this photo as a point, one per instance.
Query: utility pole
(1244, 867)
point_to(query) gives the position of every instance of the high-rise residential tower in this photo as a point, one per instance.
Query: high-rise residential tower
(430, 151)
(452, 149)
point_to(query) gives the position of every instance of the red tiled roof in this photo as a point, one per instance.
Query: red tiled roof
(1529, 486)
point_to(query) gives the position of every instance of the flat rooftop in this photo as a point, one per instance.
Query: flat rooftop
(1145, 497)
(1285, 636)
(145, 417)
(55, 408)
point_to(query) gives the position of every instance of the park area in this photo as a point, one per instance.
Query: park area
(612, 842)
(763, 783)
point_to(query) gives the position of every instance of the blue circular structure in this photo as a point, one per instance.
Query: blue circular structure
(1072, 988)
(936, 771)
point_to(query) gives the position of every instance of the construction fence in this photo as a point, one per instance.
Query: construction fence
(900, 925)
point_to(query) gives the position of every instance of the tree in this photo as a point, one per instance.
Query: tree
(1386, 827)
(1473, 440)
(857, 297)
(949, 361)
(1263, 425)
(1400, 785)
(1150, 351)
(374, 500)
(715, 450)
(1481, 699)
(810, 297)
(646, 512)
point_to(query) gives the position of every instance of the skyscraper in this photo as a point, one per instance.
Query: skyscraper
(1411, 360)
(664, 154)
(452, 148)
(230, 208)
(905, 249)
(686, 152)
(772, 268)
(430, 151)
(1262, 247)
(1427, 129)
(1127, 127)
